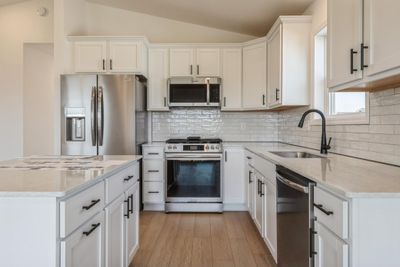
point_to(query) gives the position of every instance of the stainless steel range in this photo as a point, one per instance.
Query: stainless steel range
(194, 175)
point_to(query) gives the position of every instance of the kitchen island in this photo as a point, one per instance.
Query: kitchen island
(69, 211)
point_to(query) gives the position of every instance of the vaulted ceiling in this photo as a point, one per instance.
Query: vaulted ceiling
(253, 17)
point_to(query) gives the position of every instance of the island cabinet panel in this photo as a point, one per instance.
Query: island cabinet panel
(118, 183)
(77, 209)
(115, 233)
(85, 247)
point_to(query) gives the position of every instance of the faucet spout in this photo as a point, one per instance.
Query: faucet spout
(324, 145)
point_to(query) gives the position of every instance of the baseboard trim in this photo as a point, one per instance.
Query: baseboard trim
(153, 207)
(235, 207)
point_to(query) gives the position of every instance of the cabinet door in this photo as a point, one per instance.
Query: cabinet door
(344, 34)
(115, 233)
(232, 78)
(90, 56)
(208, 62)
(270, 217)
(124, 56)
(85, 246)
(233, 182)
(381, 35)
(331, 251)
(158, 79)
(181, 62)
(259, 203)
(274, 50)
(251, 192)
(254, 76)
(132, 223)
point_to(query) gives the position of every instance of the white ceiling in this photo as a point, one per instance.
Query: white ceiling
(253, 17)
(6, 2)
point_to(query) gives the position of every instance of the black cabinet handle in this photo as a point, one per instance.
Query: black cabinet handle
(321, 208)
(198, 69)
(152, 153)
(110, 64)
(165, 101)
(128, 178)
(94, 226)
(250, 181)
(261, 189)
(226, 156)
(352, 53)
(131, 209)
(94, 202)
(153, 192)
(263, 100)
(153, 171)
(249, 157)
(127, 208)
(363, 65)
(312, 246)
(224, 101)
(104, 64)
(277, 94)
(191, 69)
(258, 187)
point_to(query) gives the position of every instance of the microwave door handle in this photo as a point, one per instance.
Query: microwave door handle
(92, 116)
(208, 91)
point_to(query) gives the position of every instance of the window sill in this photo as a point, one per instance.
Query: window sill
(343, 120)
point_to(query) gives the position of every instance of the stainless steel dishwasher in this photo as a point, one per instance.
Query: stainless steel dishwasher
(294, 219)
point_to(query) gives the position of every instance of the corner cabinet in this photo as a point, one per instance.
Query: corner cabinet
(158, 79)
(254, 91)
(363, 45)
(109, 54)
(288, 54)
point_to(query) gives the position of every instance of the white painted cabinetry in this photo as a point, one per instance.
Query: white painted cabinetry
(255, 76)
(131, 224)
(288, 54)
(259, 204)
(181, 61)
(157, 89)
(110, 54)
(231, 79)
(233, 182)
(270, 216)
(115, 233)
(208, 62)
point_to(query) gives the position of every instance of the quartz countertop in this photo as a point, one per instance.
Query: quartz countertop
(347, 176)
(57, 176)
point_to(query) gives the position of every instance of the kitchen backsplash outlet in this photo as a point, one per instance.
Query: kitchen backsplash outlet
(379, 140)
(210, 122)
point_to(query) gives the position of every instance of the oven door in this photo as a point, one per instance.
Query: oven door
(194, 178)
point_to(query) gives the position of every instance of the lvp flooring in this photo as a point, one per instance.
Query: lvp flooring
(200, 240)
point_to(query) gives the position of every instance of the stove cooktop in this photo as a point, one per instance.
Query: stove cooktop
(194, 140)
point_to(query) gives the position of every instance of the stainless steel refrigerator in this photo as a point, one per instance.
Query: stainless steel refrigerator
(103, 114)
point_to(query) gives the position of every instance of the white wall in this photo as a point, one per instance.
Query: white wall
(18, 24)
(104, 20)
(38, 98)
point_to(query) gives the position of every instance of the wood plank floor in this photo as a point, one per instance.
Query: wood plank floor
(200, 240)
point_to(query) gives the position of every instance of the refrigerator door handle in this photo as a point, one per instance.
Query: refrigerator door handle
(92, 116)
(100, 116)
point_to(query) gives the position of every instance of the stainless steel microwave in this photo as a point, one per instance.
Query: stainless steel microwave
(192, 91)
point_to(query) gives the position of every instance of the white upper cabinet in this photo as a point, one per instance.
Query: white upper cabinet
(231, 79)
(181, 61)
(194, 62)
(381, 36)
(90, 56)
(255, 76)
(208, 62)
(288, 54)
(158, 79)
(344, 40)
(108, 55)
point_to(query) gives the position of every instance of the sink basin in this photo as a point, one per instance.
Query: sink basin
(295, 154)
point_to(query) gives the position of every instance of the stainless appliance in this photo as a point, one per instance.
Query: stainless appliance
(102, 114)
(194, 91)
(294, 219)
(194, 175)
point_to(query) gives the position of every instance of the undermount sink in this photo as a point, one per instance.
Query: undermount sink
(295, 154)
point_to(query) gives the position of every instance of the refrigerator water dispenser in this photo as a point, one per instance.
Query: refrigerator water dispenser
(75, 124)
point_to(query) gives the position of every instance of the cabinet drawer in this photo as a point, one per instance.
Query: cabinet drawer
(120, 182)
(153, 192)
(332, 212)
(153, 152)
(153, 170)
(77, 209)
(85, 246)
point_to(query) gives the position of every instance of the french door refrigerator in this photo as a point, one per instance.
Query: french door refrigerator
(103, 114)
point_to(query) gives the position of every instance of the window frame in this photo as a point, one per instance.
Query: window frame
(339, 119)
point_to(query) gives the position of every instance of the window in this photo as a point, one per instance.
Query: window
(339, 107)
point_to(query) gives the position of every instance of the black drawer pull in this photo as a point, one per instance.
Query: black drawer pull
(94, 226)
(250, 181)
(131, 209)
(94, 202)
(128, 178)
(153, 192)
(153, 171)
(321, 208)
(153, 153)
(248, 157)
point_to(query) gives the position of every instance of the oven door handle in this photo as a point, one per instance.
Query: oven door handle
(196, 158)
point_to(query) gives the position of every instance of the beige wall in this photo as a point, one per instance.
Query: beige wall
(18, 24)
(103, 20)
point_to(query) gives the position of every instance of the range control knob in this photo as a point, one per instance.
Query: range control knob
(212, 147)
(174, 147)
(206, 147)
(217, 147)
(169, 147)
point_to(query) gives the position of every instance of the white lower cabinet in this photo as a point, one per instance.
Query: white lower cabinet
(330, 250)
(270, 217)
(85, 246)
(233, 184)
(132, 223)
(115, 234)
(259, 207)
